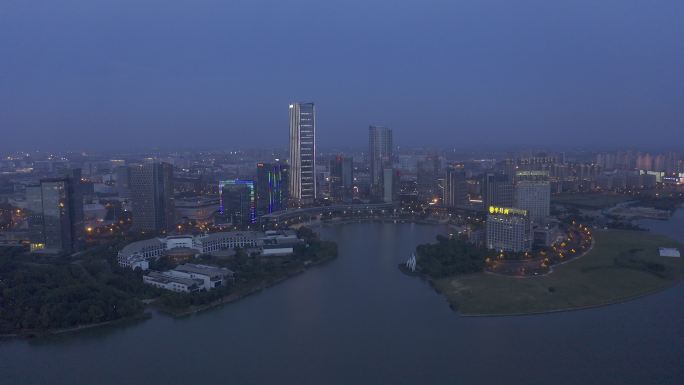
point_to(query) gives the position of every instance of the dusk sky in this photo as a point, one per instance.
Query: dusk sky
(91, 74)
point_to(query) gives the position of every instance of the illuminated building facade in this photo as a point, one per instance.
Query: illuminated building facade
(509, 229)
(302, 153)
(271, 187)
(237, 200)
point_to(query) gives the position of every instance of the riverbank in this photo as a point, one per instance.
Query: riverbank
(241, 292)
(40, 333)
(622, 265)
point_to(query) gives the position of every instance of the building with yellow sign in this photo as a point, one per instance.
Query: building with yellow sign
(509, 229)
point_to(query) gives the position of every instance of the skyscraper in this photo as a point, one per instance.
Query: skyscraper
(151, 186)
(508, 229)
(56, 214)
(455, 188)
(379, 155)
(237, 201)
(303, 153)
(533, 193)
(341, 179)
(271, 188)
(497, 190)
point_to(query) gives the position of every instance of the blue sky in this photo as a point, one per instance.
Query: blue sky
(89, 74)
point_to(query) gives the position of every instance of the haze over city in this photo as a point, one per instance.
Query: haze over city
(82, 75)
(353, 192)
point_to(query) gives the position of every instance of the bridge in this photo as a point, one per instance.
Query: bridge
(308, 212)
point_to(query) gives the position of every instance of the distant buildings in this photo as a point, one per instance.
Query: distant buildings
(303, 153)
(271, 187)
(379, 155)
(237, 201)
(198, 208)
(341, 183)
(455, 187)
(151, 186)
(509, 229)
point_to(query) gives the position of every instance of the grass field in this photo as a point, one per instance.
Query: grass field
(621, 265)
(590, 200)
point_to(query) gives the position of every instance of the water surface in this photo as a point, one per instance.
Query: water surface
(358, 320)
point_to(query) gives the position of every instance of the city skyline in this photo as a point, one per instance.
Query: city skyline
(80, 83)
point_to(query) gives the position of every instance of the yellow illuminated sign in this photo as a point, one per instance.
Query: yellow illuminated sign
(506, 211)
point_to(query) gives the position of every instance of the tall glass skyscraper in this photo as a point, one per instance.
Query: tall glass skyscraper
(302, 152)
(379, 154)
(271, 187)
(151, 187)
(56, 214)
(237, 201)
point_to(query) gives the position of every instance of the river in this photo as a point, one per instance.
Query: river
(358, 320)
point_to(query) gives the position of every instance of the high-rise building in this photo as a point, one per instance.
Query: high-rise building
(497, 190)
(508, 229)
(122, 175)
(56, 214)
(379, 155)
(302, 153)
(237, 201)
(390, 185)
(535, 197)
(426, 178)
(271, 188)
(533, 193)
(455, 187)
(341, 179)
(152, 199)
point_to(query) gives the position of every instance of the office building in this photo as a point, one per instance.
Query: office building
(151, 186)
(237, 201)
(302, 153)
(426, 179)
(341, 185)
(509, 229)
(56, 215)
(379, 155)
(497, 190)
(390, 185)
(455, 187)
(271, 188)
(533, 193)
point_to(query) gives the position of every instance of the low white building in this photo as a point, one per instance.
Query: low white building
(138, 254)
(669, 252)
(173, 283)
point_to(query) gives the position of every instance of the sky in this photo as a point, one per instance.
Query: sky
(102, 74)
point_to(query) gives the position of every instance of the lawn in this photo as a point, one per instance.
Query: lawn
(622, 264)
(591, 200)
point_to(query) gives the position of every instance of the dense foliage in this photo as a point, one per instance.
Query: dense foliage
(41, 294)
(449, 256)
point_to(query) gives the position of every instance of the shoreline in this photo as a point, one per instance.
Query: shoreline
(30, 334)
(233, 297)
(587, 307)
